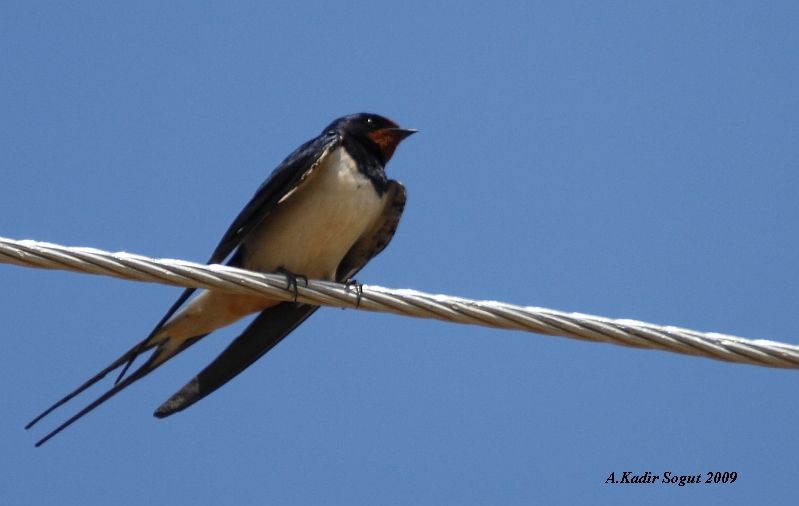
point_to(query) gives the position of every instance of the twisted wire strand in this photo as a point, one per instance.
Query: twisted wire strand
(402, 302)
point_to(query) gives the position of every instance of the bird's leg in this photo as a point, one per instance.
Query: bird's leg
(291, 280)
(353, 283)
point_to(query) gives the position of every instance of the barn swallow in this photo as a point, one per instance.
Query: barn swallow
(323, 213)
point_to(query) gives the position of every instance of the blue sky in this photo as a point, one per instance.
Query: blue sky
(627, 159)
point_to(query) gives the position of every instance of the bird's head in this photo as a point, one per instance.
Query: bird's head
(379, 135)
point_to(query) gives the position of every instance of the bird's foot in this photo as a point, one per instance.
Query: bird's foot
(353, 283)
(291, 280)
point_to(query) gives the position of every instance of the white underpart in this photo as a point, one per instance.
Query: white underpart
(311, 230)
(308, 233)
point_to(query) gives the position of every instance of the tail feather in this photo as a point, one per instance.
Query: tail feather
(138, 374)
(162, 353)
(129, 356)
(174, 307)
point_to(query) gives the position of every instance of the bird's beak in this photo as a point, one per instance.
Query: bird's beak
(402, 133)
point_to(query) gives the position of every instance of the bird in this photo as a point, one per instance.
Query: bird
(325, 211)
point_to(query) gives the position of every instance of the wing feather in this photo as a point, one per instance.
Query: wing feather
(275, 323)
(281, 183)
(375, 240)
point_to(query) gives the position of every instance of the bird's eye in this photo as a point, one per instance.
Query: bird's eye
(370, 120)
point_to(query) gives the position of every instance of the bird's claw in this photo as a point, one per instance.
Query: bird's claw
(291, 280)
(352, 283)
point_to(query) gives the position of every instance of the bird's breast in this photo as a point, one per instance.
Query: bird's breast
(316, 224)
